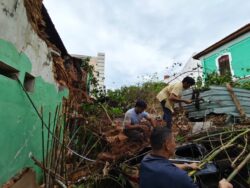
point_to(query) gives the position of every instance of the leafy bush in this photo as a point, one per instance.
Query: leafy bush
(125, 97)
(215, 79)
(244, 84)
(120, 100)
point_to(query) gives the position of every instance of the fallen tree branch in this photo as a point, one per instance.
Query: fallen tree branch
(238, 168)
(106, 112)
(216, 152)
(243, 151)
(225, 150)
(218, 134)
(210, 157)
(48, 171)
(60, 183)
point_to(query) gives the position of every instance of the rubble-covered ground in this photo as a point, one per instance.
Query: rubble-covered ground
(87, 147)
(108, 159)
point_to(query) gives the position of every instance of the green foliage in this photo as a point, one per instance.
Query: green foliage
(85, 65)
(91, 81)
(120, 100)
(199, 83)
(215, 79)
(94, 109)
(125, 97)
(180, 139)
(244, 84)
(115, 111)
(91, 108)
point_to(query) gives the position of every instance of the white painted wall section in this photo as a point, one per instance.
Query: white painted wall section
(15, 28)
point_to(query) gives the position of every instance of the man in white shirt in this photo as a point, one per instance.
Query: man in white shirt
(132, 121)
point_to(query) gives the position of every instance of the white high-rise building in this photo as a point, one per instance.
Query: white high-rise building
(100, 68)
(98, 62)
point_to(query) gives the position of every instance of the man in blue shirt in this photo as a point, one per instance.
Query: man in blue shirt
(132, 121)
(157, 171)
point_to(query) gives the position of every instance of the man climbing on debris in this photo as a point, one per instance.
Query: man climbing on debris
(157, 171)
(132, 124)
(170, 95)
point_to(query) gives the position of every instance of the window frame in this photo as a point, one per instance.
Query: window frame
(230, 63)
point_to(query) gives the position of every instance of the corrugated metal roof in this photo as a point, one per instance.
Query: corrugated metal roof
(218, 100)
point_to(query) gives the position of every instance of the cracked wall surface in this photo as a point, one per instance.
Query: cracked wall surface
(23, 50)
(18, 30)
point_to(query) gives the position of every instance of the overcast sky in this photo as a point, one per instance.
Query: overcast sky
(141, 37)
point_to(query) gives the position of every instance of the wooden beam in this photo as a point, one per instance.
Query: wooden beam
(236, 101)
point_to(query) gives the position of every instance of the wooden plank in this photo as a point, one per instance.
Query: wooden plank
(236, 101)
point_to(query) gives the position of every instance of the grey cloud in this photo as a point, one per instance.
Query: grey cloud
(143, 36)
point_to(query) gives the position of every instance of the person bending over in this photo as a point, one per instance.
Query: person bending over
(172, 94)
(132, 124)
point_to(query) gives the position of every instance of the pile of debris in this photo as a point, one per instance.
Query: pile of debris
(93, 151)
(108, 156)
(69, 72)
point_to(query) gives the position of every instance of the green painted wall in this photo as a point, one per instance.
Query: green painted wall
(240, 53)
(20, 126)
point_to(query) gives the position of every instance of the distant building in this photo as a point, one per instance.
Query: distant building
(100, 67)
(191, 68)
(98, 62)
(229, 55)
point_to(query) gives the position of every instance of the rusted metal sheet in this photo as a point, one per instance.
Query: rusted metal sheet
(218, 100)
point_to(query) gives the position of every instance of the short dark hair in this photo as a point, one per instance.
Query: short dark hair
(141, 103)
(189, 80)
(158, 137)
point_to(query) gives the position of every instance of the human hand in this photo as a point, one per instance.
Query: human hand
(225, 184)
(188, 101)
(193, 166)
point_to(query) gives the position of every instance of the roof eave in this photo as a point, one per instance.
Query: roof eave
(225, 40)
